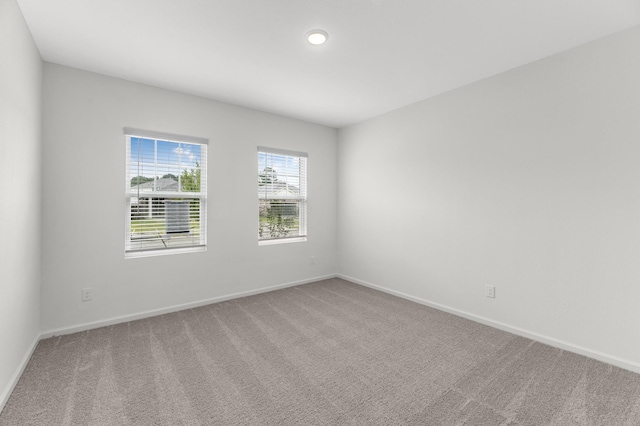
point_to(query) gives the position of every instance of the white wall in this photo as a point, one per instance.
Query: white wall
(529, 181)
(20, 218)
(84, 203)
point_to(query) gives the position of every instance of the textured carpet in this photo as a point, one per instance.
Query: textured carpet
(327, 353)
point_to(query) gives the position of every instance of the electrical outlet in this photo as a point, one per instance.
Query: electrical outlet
(87, 294)
(312, 260)
(490, 291)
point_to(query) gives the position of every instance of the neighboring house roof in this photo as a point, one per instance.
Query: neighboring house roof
(163, 184)
(278, 189)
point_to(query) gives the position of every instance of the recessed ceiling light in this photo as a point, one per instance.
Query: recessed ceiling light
(317, 37)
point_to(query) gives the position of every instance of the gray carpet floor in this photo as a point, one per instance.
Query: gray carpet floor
(326, 353)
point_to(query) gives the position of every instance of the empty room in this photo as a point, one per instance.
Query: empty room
(445, 228)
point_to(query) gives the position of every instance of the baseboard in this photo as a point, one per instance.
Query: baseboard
(6, 393)
(174, 308)
(609, 359)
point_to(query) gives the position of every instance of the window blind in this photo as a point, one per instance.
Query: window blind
(282, 194)
(166, 192)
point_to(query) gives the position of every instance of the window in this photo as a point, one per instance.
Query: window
(166, 193)
(282, 196)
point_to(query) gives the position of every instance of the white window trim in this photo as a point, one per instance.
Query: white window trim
(136, 254)
(304, 219)
(285, 240)
(202, 195)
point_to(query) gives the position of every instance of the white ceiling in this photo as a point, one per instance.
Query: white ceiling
(381, 54)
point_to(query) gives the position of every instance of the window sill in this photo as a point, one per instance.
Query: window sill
(281, 241)
(163, 252)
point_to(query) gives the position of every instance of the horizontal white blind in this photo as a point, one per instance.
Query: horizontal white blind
(151, 134)
(285, 152)
(282, 194)
(166, 193)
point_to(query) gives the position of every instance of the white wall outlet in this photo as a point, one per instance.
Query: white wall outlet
(312, 260)
(490, 291)
(87, 294)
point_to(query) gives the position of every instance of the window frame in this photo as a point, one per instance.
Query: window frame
(130, 193)
(302, 199)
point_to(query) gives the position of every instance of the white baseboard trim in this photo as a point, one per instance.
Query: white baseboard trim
(6, 393)
(174, 308)
(609, 359)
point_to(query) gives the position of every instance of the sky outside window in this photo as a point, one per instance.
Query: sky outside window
(157, 158)
(286, 167)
